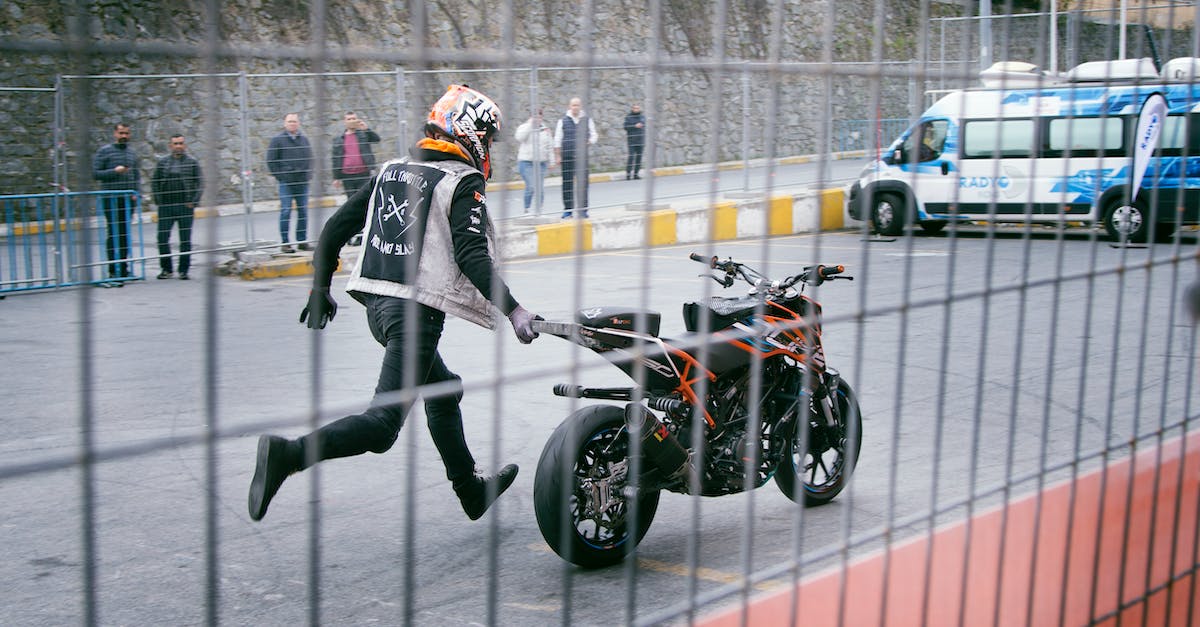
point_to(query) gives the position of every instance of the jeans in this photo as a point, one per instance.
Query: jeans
(534, 175)
(116, 227)
(297, 193)
(169, 216)
(376, 429)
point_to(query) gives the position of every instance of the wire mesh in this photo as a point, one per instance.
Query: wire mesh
(1013, 354)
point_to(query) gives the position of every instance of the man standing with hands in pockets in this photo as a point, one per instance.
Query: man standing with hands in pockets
(176, 186)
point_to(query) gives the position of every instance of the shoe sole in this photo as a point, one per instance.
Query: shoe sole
(258, 485)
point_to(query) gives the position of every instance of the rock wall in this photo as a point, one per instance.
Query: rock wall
(709, 97)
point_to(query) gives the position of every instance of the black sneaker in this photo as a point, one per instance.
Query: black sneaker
(270, 469)
(479, 492)
(183, 276)
(305, 247)
(286, 248)
(166, 274)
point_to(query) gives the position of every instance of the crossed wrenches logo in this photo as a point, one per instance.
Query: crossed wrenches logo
(395, 211)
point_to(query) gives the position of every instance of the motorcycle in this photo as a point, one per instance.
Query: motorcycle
(743, 397)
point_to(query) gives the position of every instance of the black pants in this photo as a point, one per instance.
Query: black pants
(169, 216)
(633, 164)
(572, 169)
(116, 229)
(375, 429)
(352, 183)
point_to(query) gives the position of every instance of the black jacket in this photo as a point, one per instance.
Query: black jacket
(177, 181)
(365, 139)
(290, 159)
(635, 135)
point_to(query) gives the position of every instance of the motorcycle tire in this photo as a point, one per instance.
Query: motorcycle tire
(589, 528)
(801, 476)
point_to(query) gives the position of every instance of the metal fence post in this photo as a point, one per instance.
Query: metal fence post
(247, 184)
(58, 160)
(401, 111)
(745, 126)
(538, 159)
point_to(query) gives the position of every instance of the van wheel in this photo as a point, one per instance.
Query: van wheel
(1126, 222)
(888, 214)
(933, 227)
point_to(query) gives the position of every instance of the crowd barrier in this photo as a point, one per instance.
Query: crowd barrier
(50, 241)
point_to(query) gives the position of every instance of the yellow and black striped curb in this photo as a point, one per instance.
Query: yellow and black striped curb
(802, 211)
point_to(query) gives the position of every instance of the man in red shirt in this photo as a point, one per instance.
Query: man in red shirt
(352, 156)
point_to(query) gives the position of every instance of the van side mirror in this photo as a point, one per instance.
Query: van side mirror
(898, 156)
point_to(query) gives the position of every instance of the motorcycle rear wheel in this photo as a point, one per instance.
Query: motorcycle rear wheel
(823, 470)
(590, 450)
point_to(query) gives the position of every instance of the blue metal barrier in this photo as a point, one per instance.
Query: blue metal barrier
(58, 240)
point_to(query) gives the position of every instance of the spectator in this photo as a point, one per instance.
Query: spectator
(571, 151)
(635, 137)
(353, 159)
(115, 167)
(428, 252)
(176, 186)
(289, 158)
(533, 157)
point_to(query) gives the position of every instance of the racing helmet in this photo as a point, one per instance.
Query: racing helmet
(470, 119)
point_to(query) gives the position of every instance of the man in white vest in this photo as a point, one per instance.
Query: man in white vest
(428, 251)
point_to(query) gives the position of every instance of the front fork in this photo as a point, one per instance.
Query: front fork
(824, 395)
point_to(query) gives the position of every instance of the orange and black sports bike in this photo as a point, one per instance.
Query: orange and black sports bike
(743, 397)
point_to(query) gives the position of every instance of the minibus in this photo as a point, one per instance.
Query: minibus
(1030, 147)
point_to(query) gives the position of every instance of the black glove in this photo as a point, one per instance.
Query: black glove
(321, 308)
(522, 322)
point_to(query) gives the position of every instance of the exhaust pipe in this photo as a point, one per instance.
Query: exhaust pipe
(659, 445)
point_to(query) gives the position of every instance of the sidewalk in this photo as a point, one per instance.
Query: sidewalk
(788, 210)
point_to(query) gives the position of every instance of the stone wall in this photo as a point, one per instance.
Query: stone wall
(696, 96)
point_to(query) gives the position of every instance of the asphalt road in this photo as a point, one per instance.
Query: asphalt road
(967, 380)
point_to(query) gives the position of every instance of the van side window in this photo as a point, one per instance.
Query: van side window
(1085, 137)
(993, 139)
(1179, 132)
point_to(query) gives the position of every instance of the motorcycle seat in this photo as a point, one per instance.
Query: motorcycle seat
(621, 318)
(722, 312)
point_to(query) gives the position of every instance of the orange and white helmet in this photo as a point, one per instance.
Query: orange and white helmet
(471, 119)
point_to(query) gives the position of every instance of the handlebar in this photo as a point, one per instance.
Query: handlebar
(811, 275)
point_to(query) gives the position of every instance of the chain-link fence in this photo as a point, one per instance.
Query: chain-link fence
(993, 423)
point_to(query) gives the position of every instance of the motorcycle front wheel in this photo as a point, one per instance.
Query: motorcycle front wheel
(818, 461)
(580, 491)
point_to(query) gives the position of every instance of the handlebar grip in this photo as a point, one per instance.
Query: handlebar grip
(828, 271)
(709, 261)
(568, 390)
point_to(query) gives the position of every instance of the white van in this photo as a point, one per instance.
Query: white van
(1061, 151)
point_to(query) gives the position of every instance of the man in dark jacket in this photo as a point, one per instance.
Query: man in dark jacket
(635, 138)
(176, 186)
(428, 252)
(289, 158)
(353, 159)
(115, 166)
